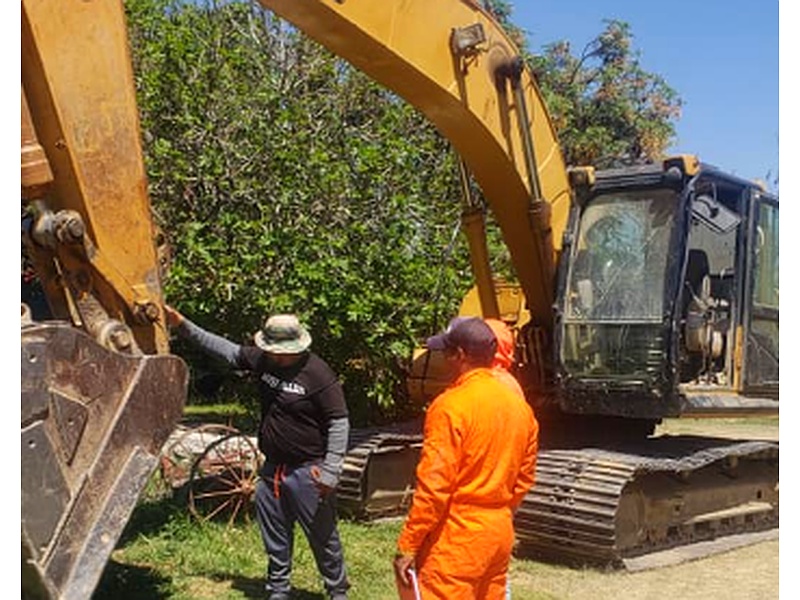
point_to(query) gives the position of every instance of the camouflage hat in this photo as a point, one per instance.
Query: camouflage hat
(283, 334)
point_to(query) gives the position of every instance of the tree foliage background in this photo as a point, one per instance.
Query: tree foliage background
(607, 109)
(286, 181)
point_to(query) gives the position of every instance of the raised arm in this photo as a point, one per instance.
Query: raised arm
(210, 343)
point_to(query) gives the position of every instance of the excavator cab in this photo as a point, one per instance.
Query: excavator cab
(668, 295)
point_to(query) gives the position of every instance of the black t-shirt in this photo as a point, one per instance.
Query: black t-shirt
(297, 403)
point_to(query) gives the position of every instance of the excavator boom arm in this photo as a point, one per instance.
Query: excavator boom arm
(77, 84)
(454, 63)
(100, 392)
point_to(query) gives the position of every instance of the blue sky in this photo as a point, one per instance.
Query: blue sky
(720, 56)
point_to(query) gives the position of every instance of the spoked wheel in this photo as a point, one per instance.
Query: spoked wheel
(183, 448)
(223, 480)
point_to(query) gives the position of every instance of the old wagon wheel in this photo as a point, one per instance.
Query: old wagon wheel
(182, 449)
(223, 479)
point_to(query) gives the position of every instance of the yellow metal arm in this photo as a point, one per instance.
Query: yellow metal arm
(80, 112)
(450, 60)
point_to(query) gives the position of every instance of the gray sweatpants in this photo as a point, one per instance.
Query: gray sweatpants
(285, 495)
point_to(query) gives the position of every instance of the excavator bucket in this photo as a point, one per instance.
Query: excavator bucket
(93, 423)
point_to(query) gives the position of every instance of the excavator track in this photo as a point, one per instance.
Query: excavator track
(593, 506)
(379, 471)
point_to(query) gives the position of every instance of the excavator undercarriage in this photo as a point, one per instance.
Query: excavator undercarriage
(604, 506)
(596, 506)
(378, 476)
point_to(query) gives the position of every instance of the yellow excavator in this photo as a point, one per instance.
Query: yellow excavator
(642, 293)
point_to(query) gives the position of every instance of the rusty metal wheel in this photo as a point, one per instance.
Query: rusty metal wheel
(182, 449)
(223, 480)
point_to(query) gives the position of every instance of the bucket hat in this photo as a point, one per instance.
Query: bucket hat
(283, 334)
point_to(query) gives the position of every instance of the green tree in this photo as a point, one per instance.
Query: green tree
(288, 181)
(608, 111)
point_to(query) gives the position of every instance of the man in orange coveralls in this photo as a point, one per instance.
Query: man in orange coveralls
(477, 463)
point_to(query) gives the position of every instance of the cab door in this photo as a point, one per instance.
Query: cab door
(760, 338)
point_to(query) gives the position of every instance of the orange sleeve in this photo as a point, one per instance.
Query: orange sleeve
(437, 473)
(527, 470)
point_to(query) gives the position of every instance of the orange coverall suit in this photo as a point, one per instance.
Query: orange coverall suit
(477, 462)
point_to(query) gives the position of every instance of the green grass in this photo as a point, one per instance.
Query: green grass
(165, 553)
(244, 418)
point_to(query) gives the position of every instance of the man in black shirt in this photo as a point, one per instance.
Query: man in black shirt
(303, 436)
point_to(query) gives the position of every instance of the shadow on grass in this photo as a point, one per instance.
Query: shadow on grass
(151, 516)
(129, 582)
(254, 588)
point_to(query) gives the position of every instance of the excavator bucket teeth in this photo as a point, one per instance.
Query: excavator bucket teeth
(93, 422)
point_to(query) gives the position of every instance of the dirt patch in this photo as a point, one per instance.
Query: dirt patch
(749, 573)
